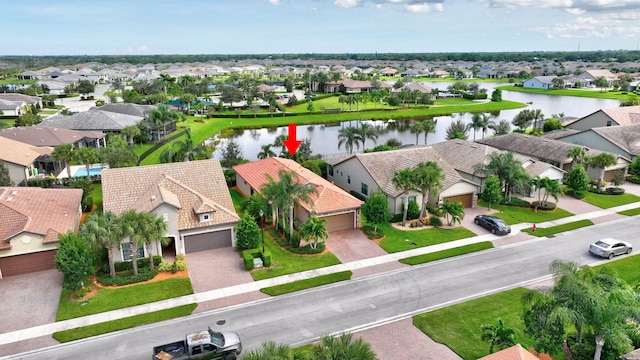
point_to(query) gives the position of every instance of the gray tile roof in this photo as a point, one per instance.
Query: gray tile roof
(46, 136)
(625, 137)
(559, 134)
(91, 120)
(127, 109)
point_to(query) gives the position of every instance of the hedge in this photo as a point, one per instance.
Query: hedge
(128, 265)
(249, 255)
(160, 144)
(127, 277)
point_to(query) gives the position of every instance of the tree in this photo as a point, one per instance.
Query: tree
(85, 87)
(501, 128)
(601, 161)
(131, 132)
(118, 153)
(476, 124)
(270, 350)
(310, 107)
(601, 82)
(266, 152)
(492, 190)
(428, 178)
(152, 229)
(523, 119)
(541, 322)
(507, 168)
(87, 155)
(458, 130)
(453, 211)
(498, 335)
(247, 232)
(75, 260)
(537, 117)
(551, 125)
(350, 137)
(367, 131)
(404, 180)
(130, 226)
(253, 205)
(376, 209)
(188, 99)
(428, 127)
(558, 83)
(186, 150)
(5, 179)
(159, 118)
(496, 95)
(230, 94)
(343, 347)
(577, 180)
(28, 119)
(231, 155)
(416, 128)
(314, 229)
(103, 230)
(64, 153)
(577, 154)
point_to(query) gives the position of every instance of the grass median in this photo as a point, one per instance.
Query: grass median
(444, 254)
(307, 283)
(609, 201)
(540, 232)
(630, 212)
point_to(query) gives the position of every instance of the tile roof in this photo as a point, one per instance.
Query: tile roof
(47, 212)
(17, 152)
(559, 134)
(516, 352)
(624, 115)
(9, 105)
(20, 97)
(625, 137)
(91, 120)
(329, 198)
(126, 108)
(48, 136)
(185, 186)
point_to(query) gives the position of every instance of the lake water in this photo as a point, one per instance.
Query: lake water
(324, 138)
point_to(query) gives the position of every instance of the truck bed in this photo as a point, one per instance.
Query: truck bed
(172, 351)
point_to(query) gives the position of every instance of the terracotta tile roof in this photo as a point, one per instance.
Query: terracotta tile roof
(329, 198)
(516, 352)
(185, 186)
(47, 212)
(17, 152)
(48, 136)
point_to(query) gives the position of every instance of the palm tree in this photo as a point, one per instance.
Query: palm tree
(428, 178)
(577, 154)
(417, 129)
(187, 151)
(601, 161)
(270, 350)
(160, 117)
(343, 347)
(453, 211)
(153, 229)
(297, 192)
(458, 130)
(350, 137)
(428, 127)
(266, 152)
(63, 153)
(507, 168)
(316, 229)
(188, 99)
(131, 132)
(537, 116)
(404, 180)
(253, 205)
(87, 155)
(476, 124)
(503, 127)
(130, 222)
(498, 335)
(485, 123)
(275, 193)
(103, 230)
(368, 131)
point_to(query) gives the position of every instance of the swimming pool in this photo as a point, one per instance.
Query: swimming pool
(92, 172)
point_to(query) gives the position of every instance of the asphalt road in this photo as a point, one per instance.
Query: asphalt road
(304, 317)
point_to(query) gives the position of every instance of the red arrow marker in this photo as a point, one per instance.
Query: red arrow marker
(292, 143)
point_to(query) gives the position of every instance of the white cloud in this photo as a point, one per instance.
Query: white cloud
(346, 3)
(275, 2)
(595, 26)
(423, 7)
(415, 6)
(142, 48)
(572, 6)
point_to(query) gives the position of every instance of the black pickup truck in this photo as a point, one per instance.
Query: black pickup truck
(206, 344)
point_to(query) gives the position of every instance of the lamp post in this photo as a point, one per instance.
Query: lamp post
(262, 229)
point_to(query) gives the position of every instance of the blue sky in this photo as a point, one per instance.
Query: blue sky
(71, 27)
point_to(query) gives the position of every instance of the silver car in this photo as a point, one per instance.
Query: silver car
(608, 248)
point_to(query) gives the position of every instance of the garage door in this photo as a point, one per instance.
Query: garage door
(466, 199)
(207, 241)
(27, 263)
(339, 222)
(609, 175)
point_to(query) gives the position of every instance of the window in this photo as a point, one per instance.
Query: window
(196, 350)
(165, 217)
(126, 251)
(608, 122)
(364, 189)
(206, 217)
(412, 198)
(348, 179)
(330, 170)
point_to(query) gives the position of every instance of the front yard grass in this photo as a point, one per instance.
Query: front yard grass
(283, 262)
(96, 196)
(236, 197)
(626, 268)
(609, 201)
(630, 212)
(400, 240)
(515, 214)
(461, 330)
(558, 228)
(444, 254)
(307, 283)
(108, 299)
(125, 323)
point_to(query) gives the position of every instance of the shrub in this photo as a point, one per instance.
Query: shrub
(179, 265)
(368, 230)
(128, 265)
(435, 221)
(81, 292)
(515, 202)
(614, 191)
(180, 257)
(165, 266)
(357, 195)
(247, 257)
(413, 210)
(277, 236)
(594, 183)
(266, 258)
(396, 218)
(127, 277)
(546, 206)
(633, 179)
(87, 203)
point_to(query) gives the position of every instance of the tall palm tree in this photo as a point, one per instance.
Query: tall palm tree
(188, 151)
(130, 223)
(63, 153)
(266, 152)
(485, 123)
(476, 124)
(428, 127)
(275, 193)
(404, 180)
(160, 117)
(131, 132)
(367, 131)
(103, 230)
(537, 116)
(316, 229)
(602, 161)
(428, 178)
(416, 128)
(507, 168)
(453, 211)
(87, 155)
(298, 192)
(153, 229)
(498, 335)
(350, 137)
(577, 154)
(458, 130)
(188, 99)
(502, 127)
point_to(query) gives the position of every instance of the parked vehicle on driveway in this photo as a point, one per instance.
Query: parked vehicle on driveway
(206, 344)
(493, 224)
(608, 248)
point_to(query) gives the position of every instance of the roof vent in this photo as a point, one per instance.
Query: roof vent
(153, 197)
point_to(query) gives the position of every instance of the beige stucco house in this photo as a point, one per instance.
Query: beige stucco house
(21, 159)
(620, 116)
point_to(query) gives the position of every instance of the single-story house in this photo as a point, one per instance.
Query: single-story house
(47, 136)
(21, 159)
(127, 109)
(339, 208)
(625, 115)
(551, 151)
(623, 140)
(516, 352)
(17, 97)
(465, 155)
(365, 173)
(353, 86)
(593, 74)
(11, 108)
(31, 218)
(192, 197)
(539, 82)
(94, 120)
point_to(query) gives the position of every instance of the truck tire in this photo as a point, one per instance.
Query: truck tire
(230, 356)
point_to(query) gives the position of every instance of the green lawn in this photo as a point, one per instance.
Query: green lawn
(630, 212)
(284, 262)
(558, 229)
(307, 283)
(236, 197)
(401, 240)
(7, 123)
(108, 299)
(589, 93)
(125, 323)
(96, 195)
(515, 214)
(444, 254)
(459, 326)
(609, 201)
(626, 267)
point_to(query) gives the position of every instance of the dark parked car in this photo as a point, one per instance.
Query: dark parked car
(493, 224)
(608, 248)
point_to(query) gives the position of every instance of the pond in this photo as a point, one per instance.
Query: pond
(324, 138)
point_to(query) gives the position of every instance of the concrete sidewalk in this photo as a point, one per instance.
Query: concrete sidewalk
(48, 329)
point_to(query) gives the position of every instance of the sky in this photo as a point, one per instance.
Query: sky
(145, 27)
